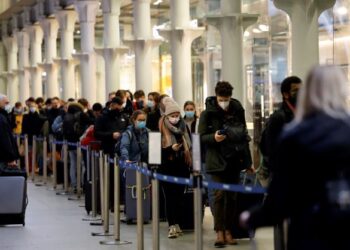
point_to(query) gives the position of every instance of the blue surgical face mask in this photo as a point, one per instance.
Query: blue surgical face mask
(32, 109)
(150, 104)
(140, 124)
(189, 114)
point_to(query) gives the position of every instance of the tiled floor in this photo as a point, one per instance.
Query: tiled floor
(54, 223)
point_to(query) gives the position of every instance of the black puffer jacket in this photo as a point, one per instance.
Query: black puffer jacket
(32, 125)
(107, 124)
(235, 146)
(8, 146)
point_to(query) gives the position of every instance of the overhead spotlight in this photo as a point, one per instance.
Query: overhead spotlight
(78, 31)
(264, 27)
(246, 33)
(43, 73)
(157, 2)
(341, 10)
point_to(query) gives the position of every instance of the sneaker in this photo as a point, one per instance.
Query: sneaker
(178, 230)
(172, 232)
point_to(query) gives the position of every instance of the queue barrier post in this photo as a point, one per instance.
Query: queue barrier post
(34, 141)
(26, 154)
(155, 210)
(45, 160)
(65, 170)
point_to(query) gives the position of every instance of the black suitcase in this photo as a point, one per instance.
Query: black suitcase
(13, 200)
(130, 197)
(187, 218)
(245, 201)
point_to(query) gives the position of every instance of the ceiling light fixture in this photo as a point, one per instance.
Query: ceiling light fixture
(157, 2)
(341, 10)
(264, 27)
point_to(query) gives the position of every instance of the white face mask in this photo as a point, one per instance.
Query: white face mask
(8, 108)
(174, 120)
(124, 105)
(224, 105)
(32, 110)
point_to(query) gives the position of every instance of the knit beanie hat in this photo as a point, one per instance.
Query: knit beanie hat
(171, 107)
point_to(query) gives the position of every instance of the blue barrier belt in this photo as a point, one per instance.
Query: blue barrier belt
(72, 144)
(189, 181)
(59, 142)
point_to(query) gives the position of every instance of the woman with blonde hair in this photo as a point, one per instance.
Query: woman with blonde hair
(312, 168)
(176, 161)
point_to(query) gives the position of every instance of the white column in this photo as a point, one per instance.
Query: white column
(12, 65)
(181, 35)
(50, 28)
(112, 49)
(36, 38)
(23, 64)
(87, 17)
(143, 43)
(3, 86)
(67, 19)
(304, 16)
(231, 23)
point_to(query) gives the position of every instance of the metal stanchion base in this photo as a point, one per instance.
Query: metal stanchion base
(92, 219)
(75, 199)
(63, 193)
(96, 223)
(39, 184)
(102, 234)
(115, 242)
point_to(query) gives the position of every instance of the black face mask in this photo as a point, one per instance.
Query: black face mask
(139, 104)
(293, 100)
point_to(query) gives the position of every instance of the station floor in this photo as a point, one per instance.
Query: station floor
(55, 223)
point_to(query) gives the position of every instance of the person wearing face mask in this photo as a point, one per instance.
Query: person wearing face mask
(139, 102)
(32, 123)
(8, 146)
(152, 103)
(109, 128)
(225, 137)
(156, 111)
(127, 97)
(176, 161)
(190, 116)
(270, 135)
(134, 142)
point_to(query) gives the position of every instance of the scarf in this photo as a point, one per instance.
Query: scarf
(169, 131)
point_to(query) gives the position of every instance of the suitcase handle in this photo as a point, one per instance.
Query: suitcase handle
(133, 191)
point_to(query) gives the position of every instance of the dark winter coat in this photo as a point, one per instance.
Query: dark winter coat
(75, 122)
(32, 125)
(107, 124)
(8, 146)
(309, 155)
(235, 148)
(272, 131)
(153, 120)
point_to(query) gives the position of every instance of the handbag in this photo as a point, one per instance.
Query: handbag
(13, 171)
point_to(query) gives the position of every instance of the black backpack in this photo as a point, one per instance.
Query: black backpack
(72, 126)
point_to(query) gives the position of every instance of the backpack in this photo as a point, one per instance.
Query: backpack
(72, 125)
(119, 142)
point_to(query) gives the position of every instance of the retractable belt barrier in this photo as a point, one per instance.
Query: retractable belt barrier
(166, 178)
(189, 181)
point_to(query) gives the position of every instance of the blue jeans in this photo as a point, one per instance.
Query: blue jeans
(73, 167)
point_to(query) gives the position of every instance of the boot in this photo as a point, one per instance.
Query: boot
(229, 239)
(220, 239)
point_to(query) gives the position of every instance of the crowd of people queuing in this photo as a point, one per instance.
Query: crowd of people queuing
(315, 139)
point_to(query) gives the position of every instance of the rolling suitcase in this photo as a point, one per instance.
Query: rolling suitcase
(187, 218)
(13, 200)
(130, 197)
(245, 201)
